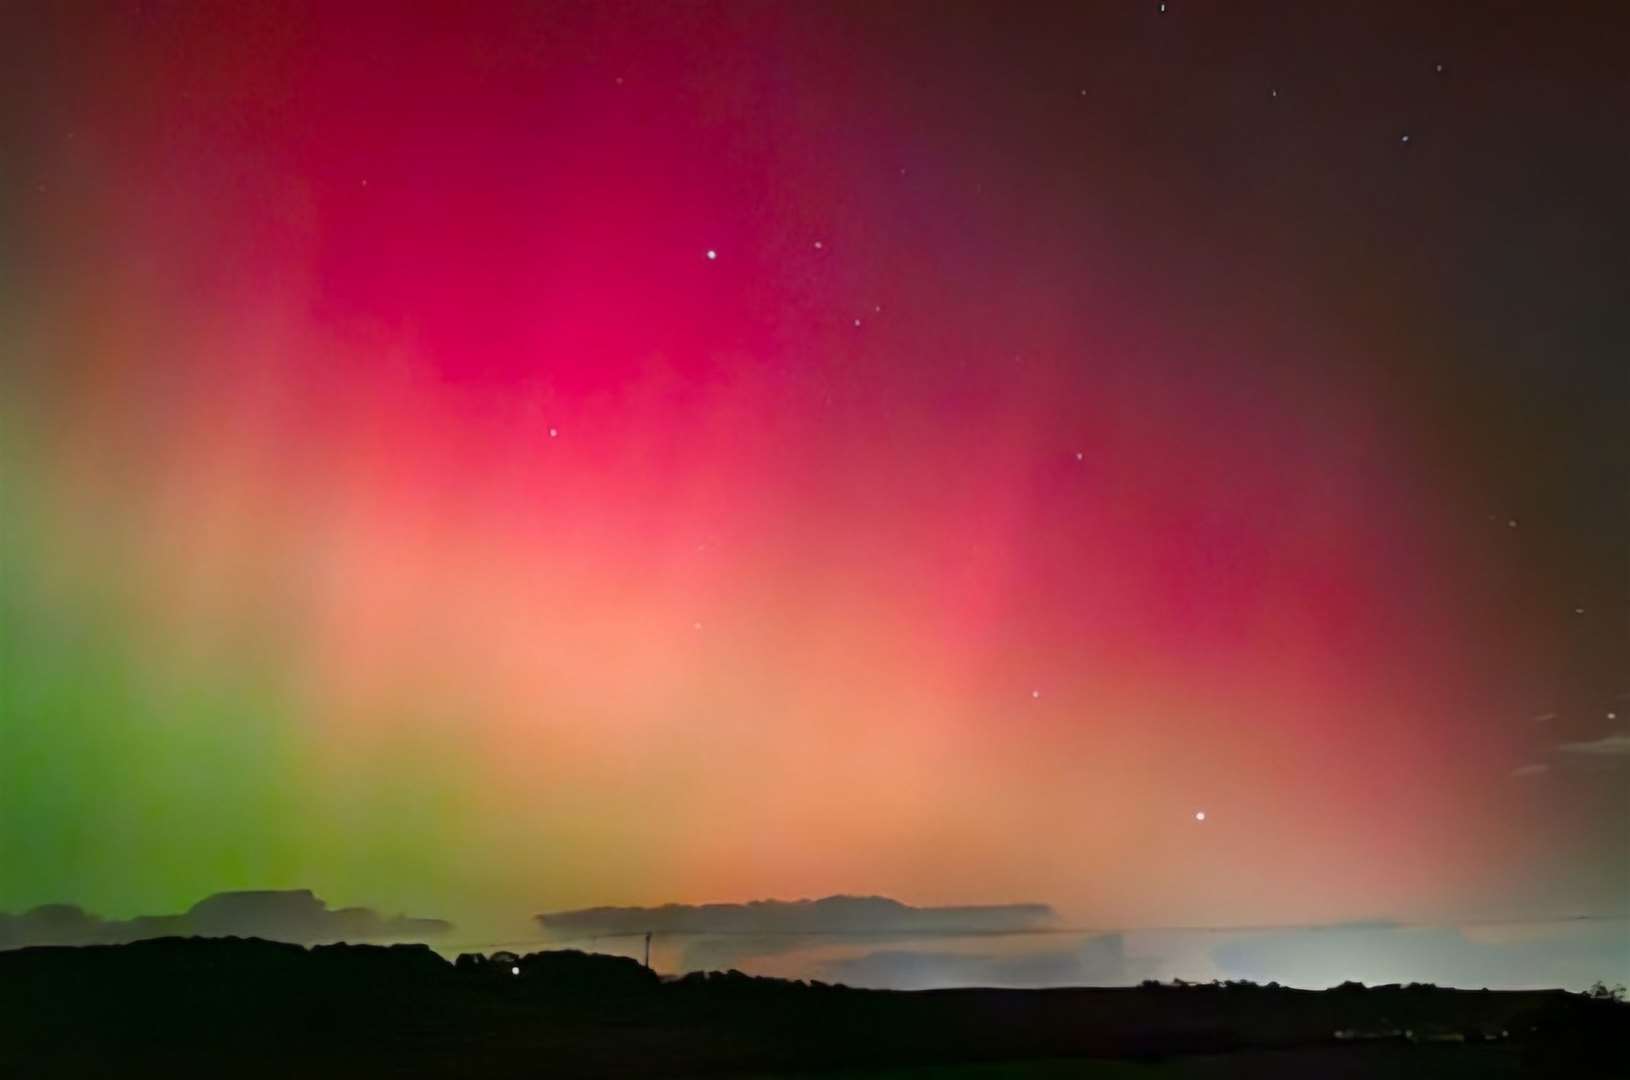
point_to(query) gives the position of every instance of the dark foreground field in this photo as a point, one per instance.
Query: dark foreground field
(236, 1007)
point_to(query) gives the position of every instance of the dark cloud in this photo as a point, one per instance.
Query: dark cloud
(295, 915)
(832, 915)
(722, 936)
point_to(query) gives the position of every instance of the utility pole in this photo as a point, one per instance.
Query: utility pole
(648, 950)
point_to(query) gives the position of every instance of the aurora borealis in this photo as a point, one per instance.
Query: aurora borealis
(1084, 420)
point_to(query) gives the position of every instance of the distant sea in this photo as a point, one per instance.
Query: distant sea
(1571, 954)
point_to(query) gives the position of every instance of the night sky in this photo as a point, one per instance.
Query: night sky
(485, 456)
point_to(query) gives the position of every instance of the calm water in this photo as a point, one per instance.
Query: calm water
(1570, 954)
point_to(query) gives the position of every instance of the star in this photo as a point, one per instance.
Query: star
(1035, 695)
(1079, 456)
(1439, 69)
(857, 322)
(1405, 139)
(1199, 815)
(1511, 523)
(711, 254)
(554, 433)
(818, 245)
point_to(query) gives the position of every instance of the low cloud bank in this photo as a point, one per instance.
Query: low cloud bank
(1097, 961)
(294, 915)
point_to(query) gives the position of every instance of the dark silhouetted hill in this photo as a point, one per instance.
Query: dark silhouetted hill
(294, 915)
(832, 915)
(228, 1006)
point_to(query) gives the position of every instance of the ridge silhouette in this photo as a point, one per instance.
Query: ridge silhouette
(175, 1006)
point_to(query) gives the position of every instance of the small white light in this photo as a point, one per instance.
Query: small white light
(818, 245)
(554, 433)
(515, 970)
(1035, 695)
(1199, 815)
(711, 254)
